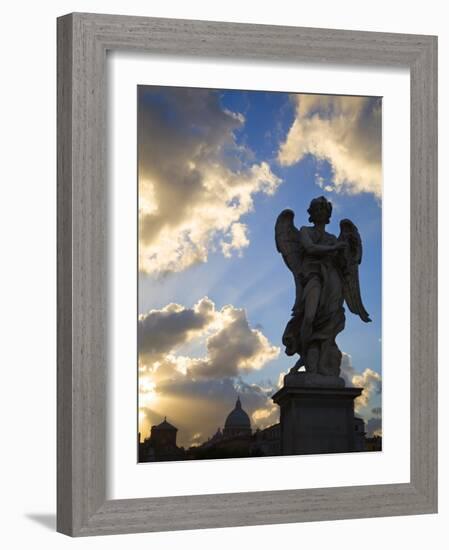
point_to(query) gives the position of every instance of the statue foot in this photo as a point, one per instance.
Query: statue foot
(299, 363)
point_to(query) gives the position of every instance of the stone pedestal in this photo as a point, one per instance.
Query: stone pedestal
(317, 414)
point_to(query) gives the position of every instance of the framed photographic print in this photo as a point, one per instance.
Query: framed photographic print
(246, 274)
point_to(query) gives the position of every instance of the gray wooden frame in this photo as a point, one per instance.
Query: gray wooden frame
(83, 40)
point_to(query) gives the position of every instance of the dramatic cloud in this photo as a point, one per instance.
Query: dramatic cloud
(371, 382)
(269, 413)
(198, 389)
(232, 346)
(162, 330)
(199, 407)
(239, 240)
(374, 424)
(347, 371)
(195, 181)
(346, 132)
(235, 348)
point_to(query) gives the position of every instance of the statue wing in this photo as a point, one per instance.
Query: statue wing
(287, 240)
(352, 257)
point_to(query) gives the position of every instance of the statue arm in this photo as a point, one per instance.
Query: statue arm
(317, 249)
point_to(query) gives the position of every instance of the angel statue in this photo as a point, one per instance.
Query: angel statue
(326, 273)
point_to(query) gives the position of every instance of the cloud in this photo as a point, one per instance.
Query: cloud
(232, 346)
(197, 407)
(197, 390)
(344, 131)
(374, 427)
(162, 330)
(347, 371)
(266, 416)
(195, 180)
(239, 240)
(371, 382)
(235, 348)
(374, 424)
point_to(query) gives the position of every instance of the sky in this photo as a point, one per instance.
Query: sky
(216, 167)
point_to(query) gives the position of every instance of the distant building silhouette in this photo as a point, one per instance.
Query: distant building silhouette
(163, 436)
(235, 440)
(373, 443)
(238, 440)
(161, 445)
(238, 422)
(267, 442)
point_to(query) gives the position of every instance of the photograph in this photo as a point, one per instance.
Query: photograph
(259, 273)
(221, 246)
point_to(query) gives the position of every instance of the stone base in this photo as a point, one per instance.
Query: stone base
(316, 419)
(312, 379)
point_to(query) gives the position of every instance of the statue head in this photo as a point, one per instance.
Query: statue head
(320, 210)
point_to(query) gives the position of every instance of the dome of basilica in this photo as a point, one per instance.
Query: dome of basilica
(238, 419)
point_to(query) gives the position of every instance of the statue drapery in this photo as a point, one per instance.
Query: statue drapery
(325, 270)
